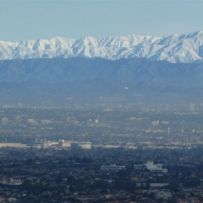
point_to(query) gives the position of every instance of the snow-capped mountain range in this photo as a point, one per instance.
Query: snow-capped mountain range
(185, 48)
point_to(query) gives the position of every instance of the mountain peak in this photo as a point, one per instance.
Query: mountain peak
(185, 48)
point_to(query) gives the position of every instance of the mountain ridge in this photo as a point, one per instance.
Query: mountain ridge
(97, 80)
(177, 48)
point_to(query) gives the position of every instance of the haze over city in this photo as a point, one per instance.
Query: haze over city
(101, 101)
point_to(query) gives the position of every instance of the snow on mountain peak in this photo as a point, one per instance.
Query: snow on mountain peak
(185, 48)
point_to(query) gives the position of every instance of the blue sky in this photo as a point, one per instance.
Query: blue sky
(33, 19)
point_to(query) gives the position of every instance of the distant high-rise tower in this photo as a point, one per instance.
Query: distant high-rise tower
(192, 107)
(169, 131)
